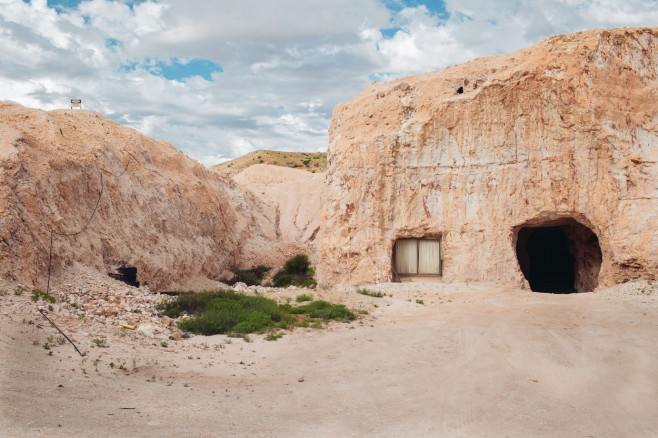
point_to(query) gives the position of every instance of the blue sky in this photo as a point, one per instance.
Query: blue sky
(222, 78)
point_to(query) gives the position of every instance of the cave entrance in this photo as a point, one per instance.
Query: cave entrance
(560, 256)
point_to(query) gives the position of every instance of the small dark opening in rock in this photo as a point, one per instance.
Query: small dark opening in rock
(460, 90)
(560, 256)
(126, 274)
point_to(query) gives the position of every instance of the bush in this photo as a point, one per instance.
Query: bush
(307, 282)
(282, 280)
(304, 297)
(227, 312)
(298, 264)
(251, 277)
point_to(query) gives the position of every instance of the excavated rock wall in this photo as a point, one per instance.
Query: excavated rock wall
(151, 206)
(564, 130)
(294, 196)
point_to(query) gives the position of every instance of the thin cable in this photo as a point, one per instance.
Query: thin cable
(93, 213)
(58, 329)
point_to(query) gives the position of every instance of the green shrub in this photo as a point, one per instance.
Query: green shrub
(229, 312)
(307, 282)
(282, 280)
(304, 297)
(251, 277)
(298, 264)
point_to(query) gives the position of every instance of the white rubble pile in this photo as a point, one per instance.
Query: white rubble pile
(91, 305)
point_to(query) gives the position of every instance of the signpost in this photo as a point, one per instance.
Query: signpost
(76, 103)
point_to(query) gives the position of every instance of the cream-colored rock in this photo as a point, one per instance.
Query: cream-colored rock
(562, 134)
(150, 206)
(294, 195)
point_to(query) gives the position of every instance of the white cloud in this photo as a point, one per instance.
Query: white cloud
(286, 64)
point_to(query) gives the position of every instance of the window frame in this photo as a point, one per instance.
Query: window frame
(439, 239)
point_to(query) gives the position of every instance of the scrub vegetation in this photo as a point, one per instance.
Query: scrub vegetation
(309, 161)
(250, 277)
(236, 314)
(296, 271)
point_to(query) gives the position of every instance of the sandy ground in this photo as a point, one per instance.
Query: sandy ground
(470, 361)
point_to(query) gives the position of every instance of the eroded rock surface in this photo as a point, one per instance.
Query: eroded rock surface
(294, 195)
(566, 130)
(150, 206)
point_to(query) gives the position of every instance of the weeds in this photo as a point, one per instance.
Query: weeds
(420, 302)
(18, 291)
(100, 342)
(304, 297)
(39, 294)
(364, 291)
(274, 336)
(322, 309)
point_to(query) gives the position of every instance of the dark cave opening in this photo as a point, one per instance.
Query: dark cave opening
(560, 256)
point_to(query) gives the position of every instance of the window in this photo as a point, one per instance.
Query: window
(417, 256)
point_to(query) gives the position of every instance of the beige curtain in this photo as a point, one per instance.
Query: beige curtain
(406, 256)
(429, 257)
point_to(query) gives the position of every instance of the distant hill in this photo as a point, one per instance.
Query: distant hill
(310, 161)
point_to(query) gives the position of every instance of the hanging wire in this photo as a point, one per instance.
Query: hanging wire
(86, 225)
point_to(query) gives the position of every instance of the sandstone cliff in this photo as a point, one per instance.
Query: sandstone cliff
(150, 206)
(560, 135)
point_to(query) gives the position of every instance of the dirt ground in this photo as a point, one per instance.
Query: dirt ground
(466, 361)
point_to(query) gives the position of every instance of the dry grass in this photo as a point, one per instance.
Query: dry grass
(309, 161)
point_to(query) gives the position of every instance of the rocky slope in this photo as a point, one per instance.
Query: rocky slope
(294, 195)
(113, 197)
(563, 134)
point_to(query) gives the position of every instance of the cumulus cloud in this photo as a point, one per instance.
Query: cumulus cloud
(219, 79)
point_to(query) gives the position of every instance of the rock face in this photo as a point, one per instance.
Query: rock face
(503, 158)
(150, 206)
(294, 195)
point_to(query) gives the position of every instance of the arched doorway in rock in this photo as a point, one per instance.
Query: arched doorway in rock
(558, 256)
